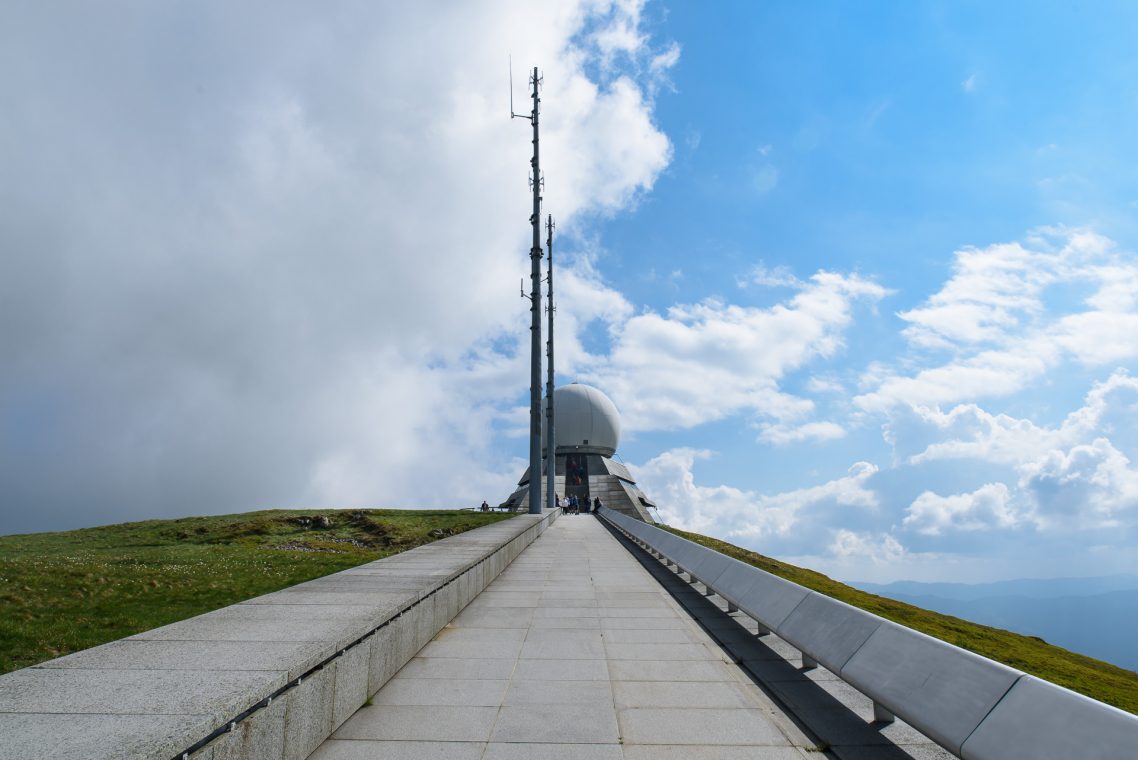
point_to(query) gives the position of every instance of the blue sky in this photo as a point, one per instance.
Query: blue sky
(860, 279)
(879, 143)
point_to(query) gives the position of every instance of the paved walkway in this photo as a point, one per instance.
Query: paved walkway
(575, 651)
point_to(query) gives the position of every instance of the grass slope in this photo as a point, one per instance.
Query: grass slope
(1094, 678)
(62, 592)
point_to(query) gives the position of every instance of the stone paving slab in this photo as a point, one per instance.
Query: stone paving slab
(557, 644)
(651, 636)
(294, 657)
(688, 752)
(497, 617)
(251, 622)
(452, 668)
(133, 692)
(669, 670)
(540, 723)
(524, 751)
(459, 648)
(562, 670)
(580, 624)
(436, 691)
(38, 734)
(371, 599)
(450, 723)
(575, 651)
(697, 694)
(399, 750)
(523, 692)
(701, 727)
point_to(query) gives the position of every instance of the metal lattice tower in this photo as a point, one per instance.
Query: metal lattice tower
(550, 436)
(535, 301)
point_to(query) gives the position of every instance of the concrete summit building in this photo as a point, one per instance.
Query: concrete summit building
(587, 428)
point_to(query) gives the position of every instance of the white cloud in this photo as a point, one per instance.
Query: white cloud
(782, 435)
(995, 319)
(967, 431)
(1070, 477)
(666, 60)
(735, 513)
(969, 84)
(703, 362)
(819, 385)
(771, 277)
(992, 291)
(620, 31)
(881, 548)
(1098, 338)
(1089, 485)
(985, 508)
(582, 298)
(987, 374)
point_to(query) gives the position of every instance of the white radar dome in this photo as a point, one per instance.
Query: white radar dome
(584, 419)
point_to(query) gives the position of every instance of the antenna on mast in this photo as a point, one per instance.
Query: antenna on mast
(512, 114)
(550, 436)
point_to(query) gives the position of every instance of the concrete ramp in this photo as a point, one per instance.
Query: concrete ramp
(575, 651)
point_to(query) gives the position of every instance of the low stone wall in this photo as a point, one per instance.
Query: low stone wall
(271, 677)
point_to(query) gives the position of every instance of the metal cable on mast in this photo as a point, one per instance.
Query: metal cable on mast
(550, 436)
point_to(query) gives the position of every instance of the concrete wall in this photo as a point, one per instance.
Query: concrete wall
(271, 677)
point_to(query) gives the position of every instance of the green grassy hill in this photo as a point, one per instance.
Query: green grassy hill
(62, 592)
(1094, 678)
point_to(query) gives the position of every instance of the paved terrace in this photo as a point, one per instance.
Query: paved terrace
(585, 648)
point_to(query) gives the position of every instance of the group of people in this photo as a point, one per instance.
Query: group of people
(571, 505)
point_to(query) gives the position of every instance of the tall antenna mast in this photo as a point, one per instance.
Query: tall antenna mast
(535, 303)
(550, 436)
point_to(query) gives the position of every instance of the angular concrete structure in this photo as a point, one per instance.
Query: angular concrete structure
(588, 432)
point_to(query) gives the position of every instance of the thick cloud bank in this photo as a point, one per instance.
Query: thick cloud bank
(267, 254)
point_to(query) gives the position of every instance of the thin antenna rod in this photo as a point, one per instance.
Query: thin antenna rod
(550, 434)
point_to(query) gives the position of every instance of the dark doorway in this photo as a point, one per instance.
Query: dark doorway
(577, 477)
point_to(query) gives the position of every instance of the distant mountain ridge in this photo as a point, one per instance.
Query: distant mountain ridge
(1097, 616)
(1035, 588)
